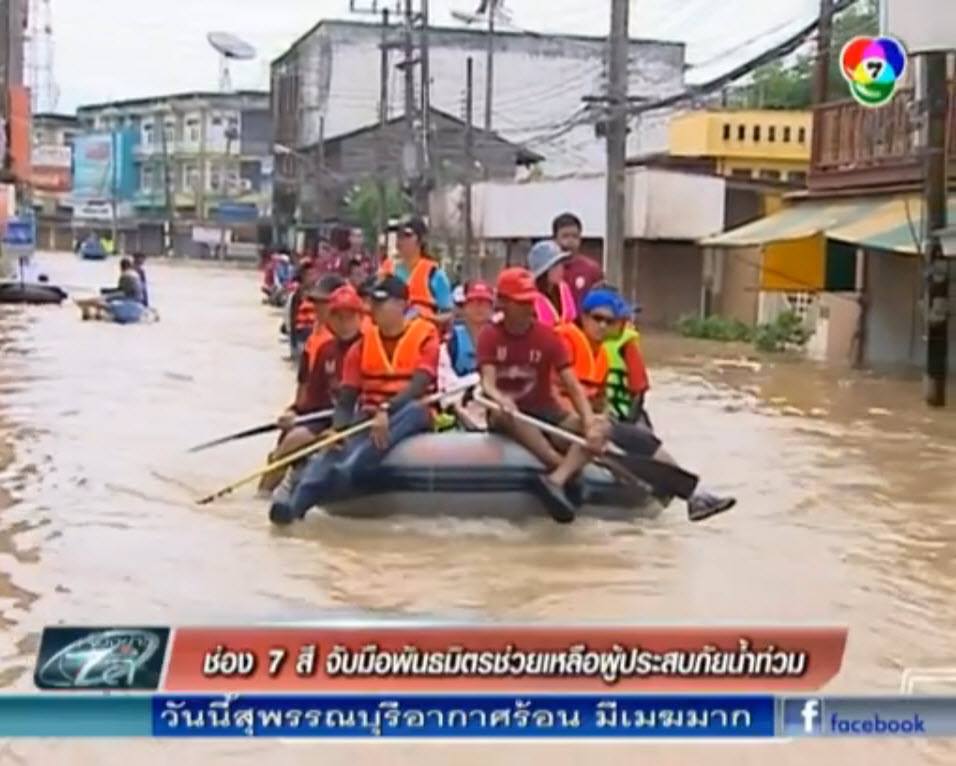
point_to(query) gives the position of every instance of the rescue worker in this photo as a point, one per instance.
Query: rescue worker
(518, 358)
(385, 375)
(601, 308)
(320, 374)
(319, 297)
(429, 290)
(302, 311)
(554, 302)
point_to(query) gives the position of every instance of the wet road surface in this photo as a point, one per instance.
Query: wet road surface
(846, 483)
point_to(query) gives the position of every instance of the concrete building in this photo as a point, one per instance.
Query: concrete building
(312, 185)
(13, 22)
(844, 253)
(52, 160)
(203, 163)
(328, 83)
(663, 266)
(765, 144)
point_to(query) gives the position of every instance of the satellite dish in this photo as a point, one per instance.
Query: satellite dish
(230, 48)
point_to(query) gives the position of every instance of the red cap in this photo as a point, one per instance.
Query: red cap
(346, 299)
(517, 284)
(479, 291)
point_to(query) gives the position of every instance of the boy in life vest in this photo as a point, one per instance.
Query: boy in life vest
(429, 290)
(627, 381)
(319, 297)
(320, 375)
(554, 303)
(385, 375)
(601, 308)
(458, 364)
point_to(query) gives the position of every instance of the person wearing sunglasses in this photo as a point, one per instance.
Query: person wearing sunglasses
(429, 290)
(627, 380)
(601, 310)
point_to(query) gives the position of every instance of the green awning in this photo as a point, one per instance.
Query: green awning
(799, 221)
(896, 226)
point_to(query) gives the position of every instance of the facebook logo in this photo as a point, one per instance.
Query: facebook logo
(802, 717)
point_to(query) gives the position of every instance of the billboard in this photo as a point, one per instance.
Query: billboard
(51, 167)
(18, 99)
(103, 165)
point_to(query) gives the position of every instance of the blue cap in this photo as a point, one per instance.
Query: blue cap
(602, 299)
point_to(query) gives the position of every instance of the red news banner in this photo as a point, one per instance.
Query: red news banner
(503, 659)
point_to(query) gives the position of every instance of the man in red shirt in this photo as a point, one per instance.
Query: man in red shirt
(384, 376)
(580, 272)
(519, 358)
(320, 375)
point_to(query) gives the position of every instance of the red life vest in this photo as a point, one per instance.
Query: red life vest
(304, 314)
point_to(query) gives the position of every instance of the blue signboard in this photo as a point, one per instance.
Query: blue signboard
(103, 165)
(20, 233)
(236, 212)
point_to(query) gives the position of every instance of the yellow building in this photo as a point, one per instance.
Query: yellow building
(768, 144)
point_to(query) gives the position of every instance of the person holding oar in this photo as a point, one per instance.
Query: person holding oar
(517, 356)
(320, 375)
(385, 377)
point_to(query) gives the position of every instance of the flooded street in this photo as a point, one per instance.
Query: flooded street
(846, 483)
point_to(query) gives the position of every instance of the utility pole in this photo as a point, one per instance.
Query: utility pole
(382, 124)
(320, 170)
(614, 235)
(425, 166)
(821, 75)
(407, 64)
(169, 198)
(936, 99)
(469, 166)
(490, 63)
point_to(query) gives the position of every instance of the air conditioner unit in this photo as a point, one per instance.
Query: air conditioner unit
(245, 184)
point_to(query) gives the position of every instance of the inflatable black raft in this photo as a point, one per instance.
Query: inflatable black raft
(479, 475)
(27, 292)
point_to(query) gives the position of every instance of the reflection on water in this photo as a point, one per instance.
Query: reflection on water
(845, 483)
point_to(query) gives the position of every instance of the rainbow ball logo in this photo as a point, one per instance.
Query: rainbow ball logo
(872, 67)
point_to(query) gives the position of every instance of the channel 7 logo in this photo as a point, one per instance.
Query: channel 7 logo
(101, 658)
(802, 717)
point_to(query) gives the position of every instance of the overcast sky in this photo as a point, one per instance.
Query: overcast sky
(112, 49)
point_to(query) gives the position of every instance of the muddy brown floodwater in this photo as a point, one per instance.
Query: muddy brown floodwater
(847, 515)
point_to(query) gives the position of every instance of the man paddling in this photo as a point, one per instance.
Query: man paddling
(518, 358)
(320, 376)
(385, 375)
(600, 309)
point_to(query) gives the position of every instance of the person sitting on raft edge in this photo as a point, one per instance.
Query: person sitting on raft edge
(385, 375)
(585, 342)
(320, 376)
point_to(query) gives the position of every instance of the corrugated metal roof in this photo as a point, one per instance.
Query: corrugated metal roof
(795, 222)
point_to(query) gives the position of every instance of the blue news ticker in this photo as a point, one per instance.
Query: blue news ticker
(457, 716)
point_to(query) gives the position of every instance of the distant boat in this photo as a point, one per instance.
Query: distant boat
(93, 250)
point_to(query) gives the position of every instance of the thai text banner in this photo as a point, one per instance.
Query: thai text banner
(439, 658)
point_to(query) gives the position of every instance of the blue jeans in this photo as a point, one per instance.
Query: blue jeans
(333, 474)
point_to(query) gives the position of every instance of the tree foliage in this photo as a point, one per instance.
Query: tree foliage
(363, 206)
(790, 86)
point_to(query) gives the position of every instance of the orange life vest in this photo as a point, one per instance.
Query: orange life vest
(384, 377)
(590, 367)
(319, 337)
(419, 287)
(304, 314)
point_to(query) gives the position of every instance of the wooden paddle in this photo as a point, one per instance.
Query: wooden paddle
(662, 477)
(310, 449)
(263, 429)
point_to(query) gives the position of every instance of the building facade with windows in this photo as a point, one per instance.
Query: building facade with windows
(762, 144)
(51, 177)
(203, 161)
